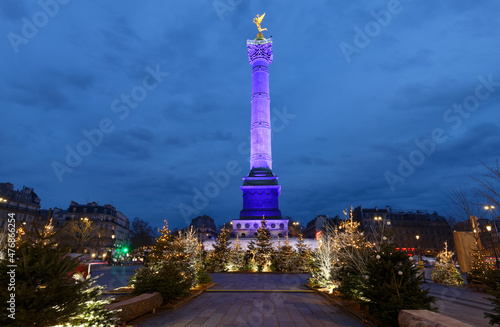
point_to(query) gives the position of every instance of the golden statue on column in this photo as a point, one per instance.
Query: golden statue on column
(258, 20)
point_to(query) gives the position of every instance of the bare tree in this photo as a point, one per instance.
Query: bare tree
(83, 232)
(489, 185)
(465, 203)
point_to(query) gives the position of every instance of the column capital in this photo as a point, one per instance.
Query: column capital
(260, 49)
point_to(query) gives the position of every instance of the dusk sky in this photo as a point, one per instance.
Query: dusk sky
(141, 104)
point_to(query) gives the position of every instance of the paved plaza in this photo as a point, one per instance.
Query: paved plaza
(254, 300)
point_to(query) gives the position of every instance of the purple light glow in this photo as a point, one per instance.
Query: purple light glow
(260, 188)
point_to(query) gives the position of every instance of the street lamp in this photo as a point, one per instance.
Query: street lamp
(418, 246)
(488, 228)
(420, 262)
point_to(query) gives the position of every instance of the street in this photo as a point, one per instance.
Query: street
(461, 303)
(113, 276)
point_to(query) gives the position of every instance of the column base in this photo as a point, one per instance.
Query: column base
(260, 200)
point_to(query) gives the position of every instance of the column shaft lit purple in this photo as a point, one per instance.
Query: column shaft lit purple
(260, 56)
(260, 188)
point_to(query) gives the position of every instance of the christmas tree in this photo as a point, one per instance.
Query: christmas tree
(492, 282)
(264, 247)
(172, 271)
(303, 259)
(479, 268)
(284, 258)
(391, 285)
(48, 292)
(354, 252)
(236, 256)
(222, 248)
(194, 252)
(444, 271)
(250, 255)
(163, 243)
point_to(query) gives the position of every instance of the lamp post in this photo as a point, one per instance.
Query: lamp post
(488, 228)
(420, 261)
(490, 209)
(418, 246)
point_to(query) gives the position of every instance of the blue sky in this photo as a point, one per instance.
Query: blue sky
(143, 104)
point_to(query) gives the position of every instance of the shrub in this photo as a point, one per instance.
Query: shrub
(492, 281)
(169, 278)
(392, 285)
(47, 290)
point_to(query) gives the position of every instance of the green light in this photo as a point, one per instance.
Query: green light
(125, 250)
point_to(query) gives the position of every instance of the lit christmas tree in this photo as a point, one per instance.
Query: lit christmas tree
(326, 261)
(479, 268)
(303, 258)
(48, 292)
(444, 271)
(163, 243)
(236, 256)
(264, 247)
(354, 252)
(172, 271)
(285, 255)
(250, 255)
(222, 248)
(391, 285)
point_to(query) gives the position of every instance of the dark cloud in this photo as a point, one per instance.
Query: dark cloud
(37, 93)
(128, 146)
(352, 120)
(81, 80)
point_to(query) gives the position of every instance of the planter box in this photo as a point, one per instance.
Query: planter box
(426, 318)
(136, 306)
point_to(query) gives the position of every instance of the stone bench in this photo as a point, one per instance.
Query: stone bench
(136, 306)
(426, 318)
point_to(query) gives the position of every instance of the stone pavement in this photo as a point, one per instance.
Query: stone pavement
(254, 300)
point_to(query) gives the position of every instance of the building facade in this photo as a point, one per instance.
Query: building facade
(416, 231)
(24, 203)
(204, 227)
(111, 225)
(315, 227)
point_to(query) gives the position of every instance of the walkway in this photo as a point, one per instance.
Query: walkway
(254, 300)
